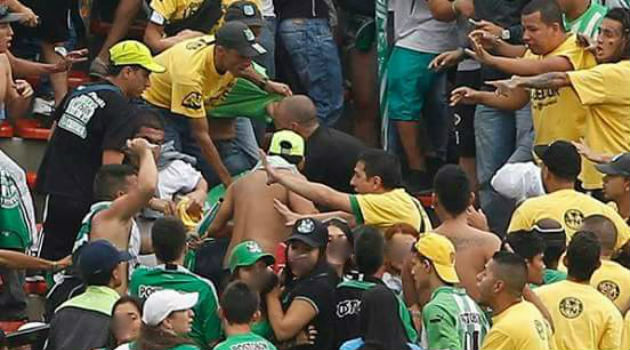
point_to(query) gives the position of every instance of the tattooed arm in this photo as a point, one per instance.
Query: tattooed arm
(553, 80)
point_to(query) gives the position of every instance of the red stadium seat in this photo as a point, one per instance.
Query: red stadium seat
(6, 130)
(31, 129)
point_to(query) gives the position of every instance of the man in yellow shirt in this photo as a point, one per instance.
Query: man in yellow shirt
(611, 279)
(617, 183)
(625, 338)
(556, 113)
(603, 89)
(201, 72)
(583, 318)
(561, 165)
(516, 324)
(379, 200)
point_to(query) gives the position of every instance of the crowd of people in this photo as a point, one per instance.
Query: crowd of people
(292, 174)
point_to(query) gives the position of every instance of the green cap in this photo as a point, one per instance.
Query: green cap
(247, 253)
(131, 52)
(287, 142)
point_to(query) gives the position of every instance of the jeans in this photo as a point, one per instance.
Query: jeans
(245, 139)
(314, 56)
(267, 39)
(177, 128)
(500, 137)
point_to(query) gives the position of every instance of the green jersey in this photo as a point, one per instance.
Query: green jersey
(452, 320)
(206, 327)
(247, 341)
(588, 22)
(551, 276)
(17, 216)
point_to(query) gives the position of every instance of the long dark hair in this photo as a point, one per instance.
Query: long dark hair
(153, 338)
(379, 307)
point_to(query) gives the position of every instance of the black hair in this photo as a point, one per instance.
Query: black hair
(512, 270)
(341, 224)
(550, 11)
(239, 303)
(137, 302)
(168, 236)
(147, 117)
(452, 189)
(526, 244)
(369, 250)
(604, 229)
(622, 16)
(110, 179)
(583, 255)
(100, 278)
(379, 307)
(114, 70)
(382, 164)
(555, 239)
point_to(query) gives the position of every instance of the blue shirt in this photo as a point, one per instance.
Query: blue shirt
(354, 344)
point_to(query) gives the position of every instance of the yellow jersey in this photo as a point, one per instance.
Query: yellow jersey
(174, 10)
(557, 113)
(387, 209)
(520, 327)
(613, 280)
(625, 337)
(582, 317)
(191, 81)
(569, 208)
(604, 90)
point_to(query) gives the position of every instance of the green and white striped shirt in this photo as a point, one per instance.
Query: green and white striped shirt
(588, 22)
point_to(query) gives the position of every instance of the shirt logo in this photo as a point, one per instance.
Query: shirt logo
(306, 226)
(249, 35)
(571, 307)
(256, 345)
(609, 289)
(78, 112)
(248, 10)
(348, 307)
(540, 329)
(253, 247)
(573, 219)
(9, 197)
(145, 291)
(192, 101)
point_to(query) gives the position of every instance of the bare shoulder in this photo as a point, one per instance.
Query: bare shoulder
(488, 240)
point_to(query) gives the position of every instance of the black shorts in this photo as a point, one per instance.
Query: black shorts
(62, 221)
(53, 20)
(464, 115)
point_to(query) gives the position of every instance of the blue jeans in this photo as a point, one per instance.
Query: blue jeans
(314, 56)
(177, 128)
(500, 137)
(267, 39)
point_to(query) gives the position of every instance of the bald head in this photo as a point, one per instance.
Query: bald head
(605, 230)
(297, 109)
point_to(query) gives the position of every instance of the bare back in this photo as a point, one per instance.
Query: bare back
(254, 215)
(473, 249)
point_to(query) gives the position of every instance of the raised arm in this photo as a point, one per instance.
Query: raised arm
(514, 100)
(18, 260)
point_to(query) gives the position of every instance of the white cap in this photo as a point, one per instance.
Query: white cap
(161, 303)
(519, 181)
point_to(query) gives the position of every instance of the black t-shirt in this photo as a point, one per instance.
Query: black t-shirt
(318, 289)
(286, 9)
(348, 306)
(92, 118)
(330, 158)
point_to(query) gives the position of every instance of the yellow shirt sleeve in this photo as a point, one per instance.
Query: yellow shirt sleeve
(166, 8)
(187, 99)
(497, 340)
(604, 83)
(623, 230)
(519, 220)
(625, 337)
(611, 338)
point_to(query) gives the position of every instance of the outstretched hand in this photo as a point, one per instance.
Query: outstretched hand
(290, 217)
(504, 86)
(272, 174)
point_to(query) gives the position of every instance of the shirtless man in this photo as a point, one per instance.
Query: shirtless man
(121, 193)
(473, 247)
(250, 201)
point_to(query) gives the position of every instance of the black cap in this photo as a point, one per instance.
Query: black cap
(618, 166)
(100, 256)
(561, 157)
(310, 231)
(7, 17)
(237, 35)
(244, 11)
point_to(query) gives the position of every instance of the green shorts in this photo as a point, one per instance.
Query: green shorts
(409, 79)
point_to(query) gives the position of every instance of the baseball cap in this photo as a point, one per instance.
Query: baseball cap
(247, 253)
(132, 52)
(287, 142)
(309, 231)
(237, 35)
(100, 256)
(561, 157)
(618, 166)
(244, 11)
(163, 302)
(441, 252)
(7, 16)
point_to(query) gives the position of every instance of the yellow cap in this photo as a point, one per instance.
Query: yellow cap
(287, 142)
(131, 52)
(441, 252)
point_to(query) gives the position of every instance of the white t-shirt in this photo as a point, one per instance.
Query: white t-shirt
(267, 9)
(178, 176)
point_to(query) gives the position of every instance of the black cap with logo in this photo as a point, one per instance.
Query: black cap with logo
(311, 232)
(618, 166)
(237, 35)
(561, 157)
(244, 11)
